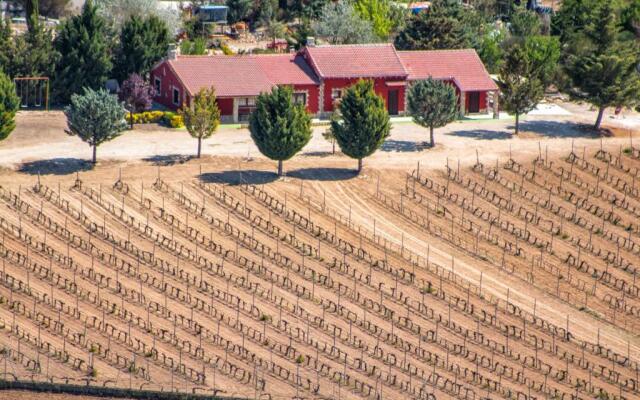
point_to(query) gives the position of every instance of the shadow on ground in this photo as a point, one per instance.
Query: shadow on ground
(318, 154)
(559, 129)
(403, 146)
(168, 160)
(324, 174)
(55, 166)
(482, 134)
(251, 177)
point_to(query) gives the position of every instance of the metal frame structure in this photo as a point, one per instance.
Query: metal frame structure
(26, 79)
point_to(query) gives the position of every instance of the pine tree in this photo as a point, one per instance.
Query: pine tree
(6, 46)
(84, 54)
(432, 104)
(238, 10)
(203, 117)
(95, 117)
(31, 12)
(604, 71)
(143, 42)
(34, 53)
(526, 70)
(441, 27)
(279, 127)
(9, 103)
(364, 122)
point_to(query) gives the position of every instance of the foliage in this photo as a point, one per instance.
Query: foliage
(143, 42)
(136, 94)
(307, 9)
(339, 23)
(432, 104)
(32, 53)
(7, 45)
(276, 29)
(364, 122)
(117, 12)
(147, 117)
(203, 117)
(238, 10)
(266, 11)
(31, 12)
(196, 47)
(54, 8)
(524, 23)
(95, 117)
(176, 122)
(380, 14)
(526, 70)
(9, 103)
(443, 26)
(631, 18)
(85, 55)
(279, 127)
(604, 71)
(572, 18)
(490, 49)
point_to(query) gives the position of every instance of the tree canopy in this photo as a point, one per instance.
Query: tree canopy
(85, 59)
(9, 103)
(603, 69)
(340, 23)
(136, 94)
(444, 26)
(95, 117)
(363, 124)
(432, 104)
(279, 127)
(143, 42)
(203, 117)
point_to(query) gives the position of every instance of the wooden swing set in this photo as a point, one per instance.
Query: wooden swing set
(33, 92)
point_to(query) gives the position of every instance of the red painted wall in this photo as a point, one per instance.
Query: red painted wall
(168, 80)
(313, 94)
(226, 106)
(483, 101)
(379, 86)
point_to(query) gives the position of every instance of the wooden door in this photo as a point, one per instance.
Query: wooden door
(393, 102)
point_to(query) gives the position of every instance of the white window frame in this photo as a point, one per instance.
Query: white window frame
(301, 92)
(336, 93)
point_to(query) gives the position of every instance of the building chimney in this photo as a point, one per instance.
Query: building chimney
(311, 41)
(174, 52)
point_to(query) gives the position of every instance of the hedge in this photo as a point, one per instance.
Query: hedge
(168, 118)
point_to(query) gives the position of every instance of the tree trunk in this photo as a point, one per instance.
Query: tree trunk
(95, 151)
(131, 119)
(600, 115)
(280, 168)
(359, 165)
(517, 123)
(433, 142)
(199, 147)
(333, 148)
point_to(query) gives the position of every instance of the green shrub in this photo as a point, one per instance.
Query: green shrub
(176, 122)
(167, 118)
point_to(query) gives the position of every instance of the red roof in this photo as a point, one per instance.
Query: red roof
(356, 61)
(462, 66)
(245, 75)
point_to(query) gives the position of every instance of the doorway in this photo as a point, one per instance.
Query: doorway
(474, 102)
(393, 102)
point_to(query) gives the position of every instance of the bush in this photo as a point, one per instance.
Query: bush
(167, 118)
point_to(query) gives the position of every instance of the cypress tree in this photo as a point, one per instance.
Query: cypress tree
(143, 42)
(9, 103)
(432, 104)
(84, 54)
(363, 124)
(279, 127)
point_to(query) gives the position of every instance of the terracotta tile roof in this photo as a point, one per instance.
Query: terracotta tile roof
(246, 75)
(282, 69)
(355, 61)
(462, 66)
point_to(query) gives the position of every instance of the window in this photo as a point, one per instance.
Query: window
(300, 98)
(336, 94)
(158, 85)
(246, 101)
(176, 96)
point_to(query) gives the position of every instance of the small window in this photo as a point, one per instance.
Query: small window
(158, 85)
(176, 96)
(336, 94)
(300, 98)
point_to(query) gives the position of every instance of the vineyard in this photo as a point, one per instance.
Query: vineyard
(427, 285)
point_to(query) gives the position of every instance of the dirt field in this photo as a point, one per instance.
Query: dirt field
(511, 277)
(19, 395)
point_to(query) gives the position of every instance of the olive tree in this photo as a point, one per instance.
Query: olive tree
(203, 117)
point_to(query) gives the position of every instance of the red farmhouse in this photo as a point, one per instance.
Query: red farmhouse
(319, 75)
